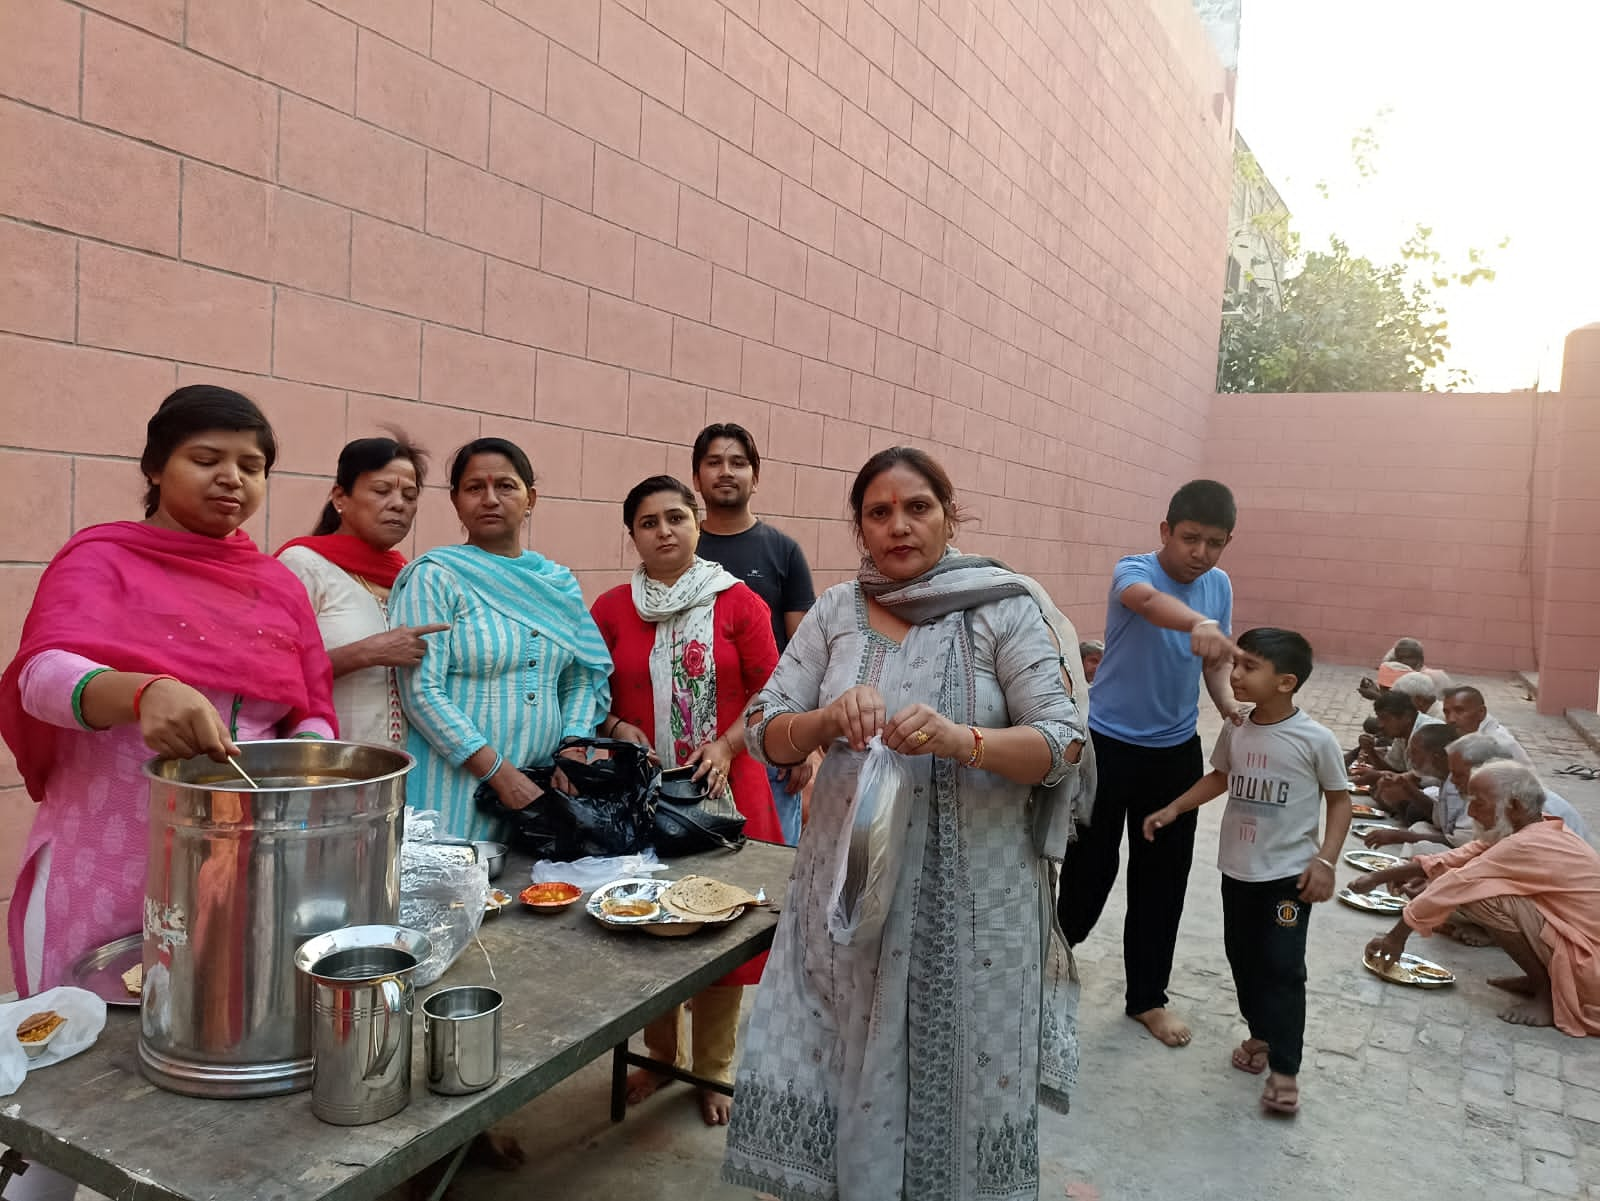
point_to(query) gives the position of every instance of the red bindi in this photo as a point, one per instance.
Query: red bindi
(894, 498)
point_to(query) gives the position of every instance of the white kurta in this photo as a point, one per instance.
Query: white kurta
(367, 700)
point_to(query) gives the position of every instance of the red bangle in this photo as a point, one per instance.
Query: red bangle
(138, 693)
(975, 760)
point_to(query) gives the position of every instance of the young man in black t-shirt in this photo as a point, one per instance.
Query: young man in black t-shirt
(727, 470)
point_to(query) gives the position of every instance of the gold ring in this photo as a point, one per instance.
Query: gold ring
(920, 737)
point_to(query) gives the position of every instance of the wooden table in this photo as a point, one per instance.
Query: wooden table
(573, 991)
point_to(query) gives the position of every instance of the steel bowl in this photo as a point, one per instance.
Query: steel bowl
(493, 856)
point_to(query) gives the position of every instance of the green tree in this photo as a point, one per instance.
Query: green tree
(1340, 324)
(1332, 321)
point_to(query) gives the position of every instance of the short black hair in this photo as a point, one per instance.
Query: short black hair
(192, 410)
(1205, 502)
(649, 487)
(724, 429)
(1393, 704)
(1468, 691)
(370, 454)
(1288, 652)
(490, 446)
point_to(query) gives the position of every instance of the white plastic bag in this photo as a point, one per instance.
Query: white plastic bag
(868, 861)
(590, 872)
(86, 1017)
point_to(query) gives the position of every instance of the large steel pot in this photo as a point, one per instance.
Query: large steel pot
(237, 880)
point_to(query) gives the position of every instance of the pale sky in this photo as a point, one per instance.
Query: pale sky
(1494, 132)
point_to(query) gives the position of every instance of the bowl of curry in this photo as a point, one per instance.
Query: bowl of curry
(549, 896)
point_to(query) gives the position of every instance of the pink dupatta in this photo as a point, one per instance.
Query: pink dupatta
(214, 612)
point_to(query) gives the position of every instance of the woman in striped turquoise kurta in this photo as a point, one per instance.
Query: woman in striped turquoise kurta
(521, 666)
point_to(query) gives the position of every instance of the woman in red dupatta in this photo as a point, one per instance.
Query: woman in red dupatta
(348, 564)
(174, 635)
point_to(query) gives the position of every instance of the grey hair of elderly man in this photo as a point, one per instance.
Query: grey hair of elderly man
(1477, 749)
(1504, 782)
(1419, 686)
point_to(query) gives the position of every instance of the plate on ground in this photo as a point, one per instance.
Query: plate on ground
(100, 970)
(1413, 970)
(1358, 789)
(1361, 829)
(1372, 902)
(638, 903)
(1369, 811)
(1371, 861)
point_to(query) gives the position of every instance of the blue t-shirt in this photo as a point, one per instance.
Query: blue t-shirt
(1147, 690)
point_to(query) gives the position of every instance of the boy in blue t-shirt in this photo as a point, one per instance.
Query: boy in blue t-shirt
(1279, 768)
(1167, 622)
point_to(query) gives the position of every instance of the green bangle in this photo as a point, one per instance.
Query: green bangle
(77, 695)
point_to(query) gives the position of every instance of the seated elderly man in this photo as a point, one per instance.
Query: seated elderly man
(1424, 693)
(1409, 652)
(1389, 670)
(1527, 880)
(1398, 718)
(1423, 796)
(1091, 651)
(1466, 710)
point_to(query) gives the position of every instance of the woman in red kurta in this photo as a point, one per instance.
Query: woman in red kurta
(690, 645)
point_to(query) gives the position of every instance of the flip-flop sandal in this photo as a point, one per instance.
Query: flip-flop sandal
(1247, 1060)
(1273, 1105)
(1579, 771)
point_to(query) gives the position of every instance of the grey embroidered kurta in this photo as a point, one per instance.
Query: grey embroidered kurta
(914, 1067)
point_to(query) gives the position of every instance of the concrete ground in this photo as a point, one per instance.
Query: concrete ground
(1406, 1093)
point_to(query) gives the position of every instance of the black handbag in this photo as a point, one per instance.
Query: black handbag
(610, 809)
(688, 820)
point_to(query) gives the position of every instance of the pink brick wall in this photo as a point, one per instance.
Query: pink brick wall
(991, 227)
(1366, 517)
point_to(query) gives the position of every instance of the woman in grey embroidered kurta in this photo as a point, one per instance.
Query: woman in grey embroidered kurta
(914, 1067)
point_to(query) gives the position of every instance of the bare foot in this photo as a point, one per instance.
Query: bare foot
(643, 1083)
(1520, 985)
(500, 1151)
(1281, 1094)
(1466, 934)
(1251, 1056)
(1535, 1011)
(716, 1108)
(1167, 1027)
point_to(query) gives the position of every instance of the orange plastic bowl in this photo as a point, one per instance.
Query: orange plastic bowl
(550, 896)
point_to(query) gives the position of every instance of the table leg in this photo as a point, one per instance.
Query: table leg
(450, 1172)
(619, 1081)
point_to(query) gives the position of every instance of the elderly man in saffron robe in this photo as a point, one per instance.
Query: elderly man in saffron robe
(1527, 880)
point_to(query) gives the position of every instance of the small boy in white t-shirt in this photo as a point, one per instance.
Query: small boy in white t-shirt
(1278, 768)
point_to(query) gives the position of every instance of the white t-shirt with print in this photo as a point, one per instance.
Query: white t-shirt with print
(1276, 777)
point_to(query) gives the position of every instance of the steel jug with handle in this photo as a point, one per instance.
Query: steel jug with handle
(357, 988)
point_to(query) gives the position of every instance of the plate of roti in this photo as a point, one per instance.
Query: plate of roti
(669, 908)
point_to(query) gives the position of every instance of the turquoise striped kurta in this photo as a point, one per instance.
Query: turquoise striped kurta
(509, 673)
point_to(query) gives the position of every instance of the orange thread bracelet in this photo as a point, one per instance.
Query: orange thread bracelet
(138, 693)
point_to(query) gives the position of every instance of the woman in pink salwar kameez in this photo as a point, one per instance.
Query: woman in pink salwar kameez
(171, 636)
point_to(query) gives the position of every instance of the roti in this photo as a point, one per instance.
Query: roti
(703, 897)
(133, 979)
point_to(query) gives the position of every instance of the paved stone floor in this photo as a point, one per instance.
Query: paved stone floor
(1406, 1094)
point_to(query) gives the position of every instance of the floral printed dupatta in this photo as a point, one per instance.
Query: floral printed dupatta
(683, 669)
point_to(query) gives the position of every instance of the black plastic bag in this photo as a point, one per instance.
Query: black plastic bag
(610, 810)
